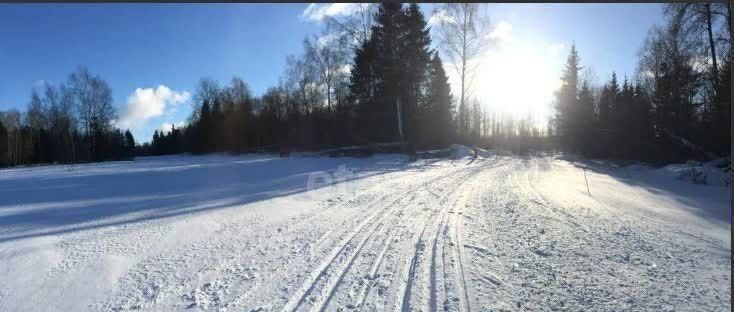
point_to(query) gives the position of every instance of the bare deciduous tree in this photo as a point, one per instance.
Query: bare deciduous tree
(300, 81)
(699, 21)
(356, 26)
(326, 56)
(207, 90)
(462, 35)
(93, 98)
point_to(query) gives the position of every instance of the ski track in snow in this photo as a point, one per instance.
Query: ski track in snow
(245, 233)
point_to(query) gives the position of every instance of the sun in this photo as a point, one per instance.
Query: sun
(518, 80)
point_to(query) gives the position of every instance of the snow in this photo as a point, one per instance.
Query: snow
(265, 233)
(710, 173)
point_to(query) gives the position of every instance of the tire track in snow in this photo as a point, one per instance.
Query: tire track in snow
(342, 273)
(309, 287)
(464, 304)
(419, 246)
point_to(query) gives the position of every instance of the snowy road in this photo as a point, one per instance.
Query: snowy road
(319, 234)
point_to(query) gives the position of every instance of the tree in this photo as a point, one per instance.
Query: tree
(301, 81)
(586, 117)
(438, 122)
(640, 139)
(35, 119)
(676, 77)
(356, 27)
(415, 57)
(567, 101)
(206, 92)
(93, 99)
(697, 19)
(3, 145)
(240, 126)
(362, 86)
(129, 144)
(386, 35)
(11, 121)
(462, 37)
(327, 57)
(201, 143)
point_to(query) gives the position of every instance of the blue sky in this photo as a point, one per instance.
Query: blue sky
(143, 46)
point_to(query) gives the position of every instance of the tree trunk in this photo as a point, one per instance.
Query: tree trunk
(462, 109)
(712, 46)
(400, 124)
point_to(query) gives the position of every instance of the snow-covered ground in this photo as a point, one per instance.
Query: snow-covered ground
(262, 233)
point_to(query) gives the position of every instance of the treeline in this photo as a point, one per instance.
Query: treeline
(678, 106)
(384, 84)
(68, 123)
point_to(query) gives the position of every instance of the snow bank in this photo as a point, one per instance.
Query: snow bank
(714, 173)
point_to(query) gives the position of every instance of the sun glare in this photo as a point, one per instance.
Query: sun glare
(517, 79)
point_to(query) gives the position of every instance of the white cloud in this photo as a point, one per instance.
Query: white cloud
(148, 103)
(501, 32)
(318, 11)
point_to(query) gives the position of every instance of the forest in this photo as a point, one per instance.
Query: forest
(373, 77)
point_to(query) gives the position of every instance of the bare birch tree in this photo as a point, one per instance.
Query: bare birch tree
(462, 35)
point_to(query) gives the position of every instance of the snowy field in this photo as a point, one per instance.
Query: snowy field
(262, 233)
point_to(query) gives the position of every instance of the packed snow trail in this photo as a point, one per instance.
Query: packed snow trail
(261, 233)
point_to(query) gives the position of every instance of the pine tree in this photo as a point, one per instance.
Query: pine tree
(201, 143)
(586, 120)
(566, 101)
(438, 122)
(641, 138)
(216, 133)
(156, 143)
(415, 56)
(129, 144)
(3, 146)
(607, 116)
(387, 35)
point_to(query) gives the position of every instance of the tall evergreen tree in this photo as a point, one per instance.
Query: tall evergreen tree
(202, 128)
(587, 119)
(387, 34)
(4, 161)
(438, 124)
(567, 101)
(129, 144)
(640, 139)
(415, 56)
(607, 102)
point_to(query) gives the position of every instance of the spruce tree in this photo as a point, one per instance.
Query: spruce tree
(415, 57)
(201, 143)
(586, 120)
(387, 35)
(3, 146)
(641, 125)
(607, 116)
(362, 89)
(438, 122)
(129, 144)
(566, 101)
